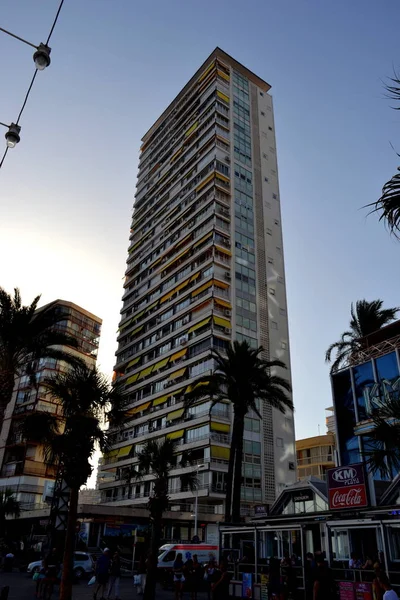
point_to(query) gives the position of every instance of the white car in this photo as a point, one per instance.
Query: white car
(83, 565)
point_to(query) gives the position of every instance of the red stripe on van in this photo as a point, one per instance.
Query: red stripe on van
(193, 547)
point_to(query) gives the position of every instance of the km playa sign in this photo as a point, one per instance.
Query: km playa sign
(346, 487)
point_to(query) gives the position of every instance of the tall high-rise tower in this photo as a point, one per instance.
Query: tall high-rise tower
(205, 267)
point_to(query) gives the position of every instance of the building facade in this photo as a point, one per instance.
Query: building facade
(372, 376)
(315, 455)
(23, 468)
(205, 267)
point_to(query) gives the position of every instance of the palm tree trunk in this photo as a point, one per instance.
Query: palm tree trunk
(7, 381)
(151, 579)
(237, 478)
(68, 560)
(229, 478)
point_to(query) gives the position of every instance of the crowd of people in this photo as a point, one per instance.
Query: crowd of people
(192, 577)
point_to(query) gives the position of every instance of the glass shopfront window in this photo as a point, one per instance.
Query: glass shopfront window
(346, 418)
(387, 367)
(363, 378)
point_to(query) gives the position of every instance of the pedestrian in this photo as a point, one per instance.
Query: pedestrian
(354, 562)
(141, 575)
(103, 564)
(51, 565)
(324, 582)
(389, 593)
(179, 577)
(197, 576)
(209, 575)
(220, 588)
(115, 576)
(274, 578)
(377, 591)
(309, 569)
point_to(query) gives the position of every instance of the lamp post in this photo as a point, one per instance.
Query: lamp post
(41, 56)
(199, 467)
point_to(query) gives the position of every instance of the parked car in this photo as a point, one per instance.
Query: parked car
(83, 565)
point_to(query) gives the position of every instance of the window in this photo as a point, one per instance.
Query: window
(269, 231)
(282, 312)
(279, 442)
(265, 178)
(276, 222)
(261, 94)
(270, 128)
(263, 113)
(274, 325)
(283, 345)
(264, 155)
(270, 260)
(272, 291)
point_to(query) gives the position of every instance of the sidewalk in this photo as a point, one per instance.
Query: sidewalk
(23, 588)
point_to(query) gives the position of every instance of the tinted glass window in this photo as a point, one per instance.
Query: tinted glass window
(80, 557)
(386, 366)
(170, 556)
(363, 379)
(345, 414)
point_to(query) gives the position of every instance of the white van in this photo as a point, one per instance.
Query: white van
(168, 553)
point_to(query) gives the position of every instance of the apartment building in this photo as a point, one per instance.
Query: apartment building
(205, 267)
(23, 468)
(315, 455)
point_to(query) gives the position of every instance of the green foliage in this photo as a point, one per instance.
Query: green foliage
(366, 317)
(86, 399)
(382, 453)
(8, 503)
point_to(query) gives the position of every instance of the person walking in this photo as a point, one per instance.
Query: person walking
(389, 593)
(209, 575)
(102, 573)
(220, 589)
(197, 576)
(179, 578)
(115, 576)
(324, 582)
(141, 575)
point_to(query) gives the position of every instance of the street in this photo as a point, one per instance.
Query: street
(23, 588)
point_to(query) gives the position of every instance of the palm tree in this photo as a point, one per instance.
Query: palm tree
(388, 205)
(366, 318)
(382, 448)
(8, 506)
(243, 378)
(27, 334)
(158, 458)
(87, 399)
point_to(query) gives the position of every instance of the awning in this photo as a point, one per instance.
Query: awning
(205, 182)
(152, 306)
(137, 330)
(176, 258)
(223, 427)
(175, 435)
(135, 317)
(221, 284)
(200, 324)
(218, 452)
(223, 96)
(182, 285)
(132, 378)
(202, 288)
(124, 451)
(111, 454)
(222, 322)
(203, 239)
(179, 354)
(167, 296)
(223, 250)
(125, 325)
(133, 362)
(177, 374)
(161, 364)
(223, 303)
(193, 386)
(145, 372)
(156, 262)
(137, 409)
(161, 400)
(195, 276)
(176, 414)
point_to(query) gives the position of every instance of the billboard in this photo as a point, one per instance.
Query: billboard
(346, 487)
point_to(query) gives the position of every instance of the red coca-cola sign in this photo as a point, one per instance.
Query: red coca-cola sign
(346, 486)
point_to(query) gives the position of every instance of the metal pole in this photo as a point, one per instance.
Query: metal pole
(196, 506)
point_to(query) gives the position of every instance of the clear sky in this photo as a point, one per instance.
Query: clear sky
(66, 191)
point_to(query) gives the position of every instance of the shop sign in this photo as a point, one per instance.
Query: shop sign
(363, 591)
(302, 496)
(261, 510)
(346, 487)
(247, 585)
(346, 590)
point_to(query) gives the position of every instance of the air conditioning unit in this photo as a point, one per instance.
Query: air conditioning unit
(188, 417)
(227, 274)
(219, 487)
(183, 342)
(228, 312)
(292, 466)
(227, 330)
